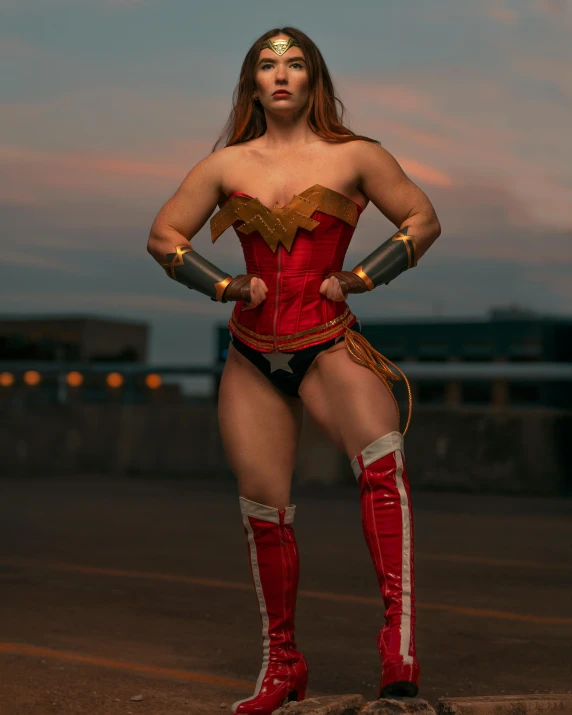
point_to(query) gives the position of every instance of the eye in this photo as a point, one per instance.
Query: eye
(294, 64)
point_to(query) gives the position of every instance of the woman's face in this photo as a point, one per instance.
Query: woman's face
(282, 80)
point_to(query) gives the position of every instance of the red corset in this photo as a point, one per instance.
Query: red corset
(292, 248)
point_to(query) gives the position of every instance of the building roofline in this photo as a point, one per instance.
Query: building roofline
(71, 317)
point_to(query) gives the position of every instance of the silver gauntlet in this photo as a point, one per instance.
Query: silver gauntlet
(188, 267)
(393, 257)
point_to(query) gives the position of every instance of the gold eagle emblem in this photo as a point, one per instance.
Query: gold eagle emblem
(280, 224)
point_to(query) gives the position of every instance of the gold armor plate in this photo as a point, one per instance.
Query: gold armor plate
(279, 225)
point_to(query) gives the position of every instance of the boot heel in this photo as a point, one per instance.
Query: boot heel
(297, 695)
(400, 689)
(299, 692)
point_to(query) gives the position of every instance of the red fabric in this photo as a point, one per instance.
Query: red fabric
(275, 562)
(387, 521)
(294, 302)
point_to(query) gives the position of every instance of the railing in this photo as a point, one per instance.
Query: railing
(450, 383)
(545, 371)
(51, 368)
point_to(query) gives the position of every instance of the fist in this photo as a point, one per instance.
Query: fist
(337, 285)
(249, 288)
(258, 291)
(332, 289)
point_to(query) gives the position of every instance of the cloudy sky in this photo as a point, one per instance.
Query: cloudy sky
(107, 104)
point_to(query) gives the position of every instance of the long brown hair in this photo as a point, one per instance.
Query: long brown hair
(247, 120)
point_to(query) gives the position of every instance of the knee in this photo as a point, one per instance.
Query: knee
(375, 448)
(266, 497)
(368, 441)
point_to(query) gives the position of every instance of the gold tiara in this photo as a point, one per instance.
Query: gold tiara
(280, 46)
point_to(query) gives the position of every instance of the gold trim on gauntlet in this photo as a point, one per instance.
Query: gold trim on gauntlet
(188, 267)
(350, 282)
(393, 257)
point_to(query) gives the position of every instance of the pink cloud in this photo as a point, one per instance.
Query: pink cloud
(15, 48)
(75, 160)
(39, 176)
(480, 220)
(148, 152)
(399, 97)
(15, 196)
(502, 14)
(422, 172)
(430, 139)
(439, 133)
(557, 11)
(475, 128)
(467, 140)
(486, 221)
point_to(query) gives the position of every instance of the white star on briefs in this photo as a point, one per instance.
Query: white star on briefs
(279, 361)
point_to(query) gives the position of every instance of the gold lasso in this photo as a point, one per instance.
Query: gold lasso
(363, 353)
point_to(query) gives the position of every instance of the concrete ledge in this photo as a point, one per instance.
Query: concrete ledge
(485, 705)
(506, 705)
(398, 706)
(327, 705)
(356, 705)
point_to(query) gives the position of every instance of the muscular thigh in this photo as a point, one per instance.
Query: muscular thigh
(347, 400)
(260, 430)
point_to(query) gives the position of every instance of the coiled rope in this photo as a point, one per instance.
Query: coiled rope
(364, 354)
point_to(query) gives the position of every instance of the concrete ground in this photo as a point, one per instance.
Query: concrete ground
(129, 588)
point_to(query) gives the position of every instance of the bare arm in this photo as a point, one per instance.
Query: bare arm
(187, 211)
(180, 219)
(400, 200)
(384, 182)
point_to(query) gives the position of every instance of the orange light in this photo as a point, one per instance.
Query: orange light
(114, 379)
(32, 377)
(6, 379)
(74, 378)
(153, 381)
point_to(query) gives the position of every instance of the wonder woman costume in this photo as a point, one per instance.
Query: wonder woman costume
(293, 249)
(284, 333)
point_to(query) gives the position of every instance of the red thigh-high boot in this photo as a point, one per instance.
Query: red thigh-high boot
(387, 522)
(275, 570)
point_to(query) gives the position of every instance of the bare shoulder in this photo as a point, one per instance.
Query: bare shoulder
(197, 196)
(386, 185)
(369, 156)
(207, 176)
(230, 155)
(214, 164)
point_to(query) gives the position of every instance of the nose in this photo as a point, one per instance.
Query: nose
(280, 74)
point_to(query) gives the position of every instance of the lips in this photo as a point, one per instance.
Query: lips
(282, 92)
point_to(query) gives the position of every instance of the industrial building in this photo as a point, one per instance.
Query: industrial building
(32, 348)
(73, 339)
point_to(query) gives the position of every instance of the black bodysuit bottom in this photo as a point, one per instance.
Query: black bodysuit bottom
(286, 370)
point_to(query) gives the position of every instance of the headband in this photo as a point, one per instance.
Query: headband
(280, 46)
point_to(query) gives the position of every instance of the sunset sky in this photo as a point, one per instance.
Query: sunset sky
(107, 104)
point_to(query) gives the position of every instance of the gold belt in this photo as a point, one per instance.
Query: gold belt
(324, 331)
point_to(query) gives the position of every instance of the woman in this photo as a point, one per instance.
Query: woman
(287, 148)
